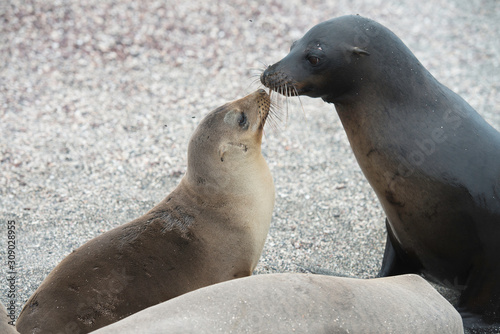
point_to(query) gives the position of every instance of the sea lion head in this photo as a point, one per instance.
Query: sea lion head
(227, 143)
(327, 62)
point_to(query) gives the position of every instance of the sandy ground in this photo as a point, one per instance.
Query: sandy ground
(98, 100)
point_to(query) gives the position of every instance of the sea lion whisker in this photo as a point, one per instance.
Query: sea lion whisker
(300, 101)
(287, 102)
(277, 127)
(255, 75)
(275, 99)
(276, 112)
(256, 71)
(261, 69)
(268, 120)
(283, 93)
(279, 90)
(280, 101)
(272, 123)
(254, 82)
(263, 64)
(279, 96)
(275, 119)
(276, 108)
(285, 99)
(275, 116)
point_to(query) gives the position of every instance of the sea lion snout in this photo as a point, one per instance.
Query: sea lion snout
(275, 78)
(264, 75)
(269, 76)
(260, 104)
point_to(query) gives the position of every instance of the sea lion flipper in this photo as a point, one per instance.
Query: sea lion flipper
(389, 262)
(479, 306)
(395, 261)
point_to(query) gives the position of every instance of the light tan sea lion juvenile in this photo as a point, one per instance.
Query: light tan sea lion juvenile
(210, 229)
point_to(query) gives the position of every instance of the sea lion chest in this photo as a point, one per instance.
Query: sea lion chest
(418, 158)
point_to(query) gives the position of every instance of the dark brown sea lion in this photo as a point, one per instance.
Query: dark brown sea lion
(432, 160)
(210, 229)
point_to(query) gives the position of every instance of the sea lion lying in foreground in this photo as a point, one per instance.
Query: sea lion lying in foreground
(300, 303)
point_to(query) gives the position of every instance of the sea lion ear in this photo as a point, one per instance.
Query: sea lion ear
(359, 51)
(222, 151)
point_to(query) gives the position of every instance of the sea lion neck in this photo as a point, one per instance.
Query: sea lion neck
(216, 177)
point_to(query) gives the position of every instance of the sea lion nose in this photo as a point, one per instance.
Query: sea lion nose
(263, 77)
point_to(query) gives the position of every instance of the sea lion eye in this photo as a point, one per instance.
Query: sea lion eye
(313, 60)
(242, 120)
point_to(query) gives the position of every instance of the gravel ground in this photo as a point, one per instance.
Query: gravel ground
(98, 100)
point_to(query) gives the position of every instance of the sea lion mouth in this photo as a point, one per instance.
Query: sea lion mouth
(264, 102)
(280, 83)
(241, 146)
(263, 119)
